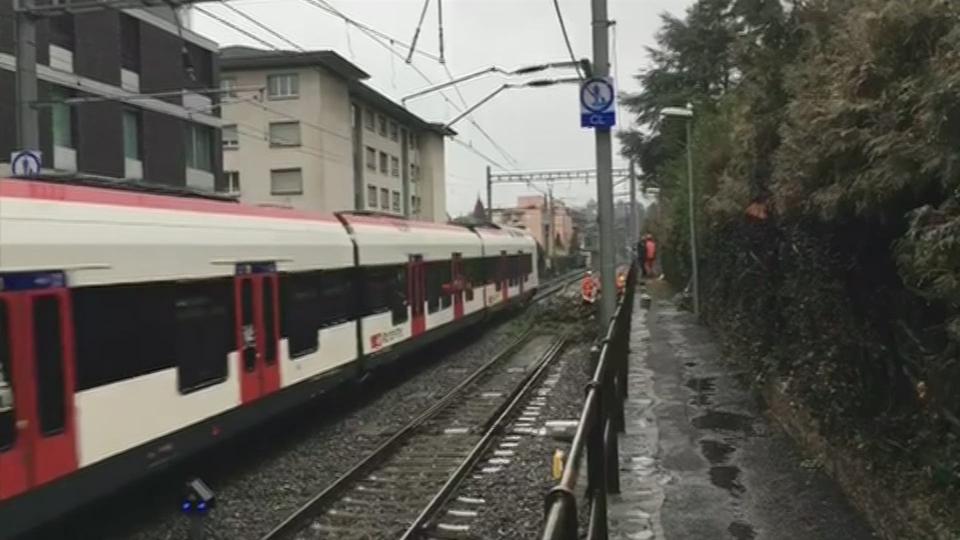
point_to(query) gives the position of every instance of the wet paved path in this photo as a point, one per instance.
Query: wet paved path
(699, 460)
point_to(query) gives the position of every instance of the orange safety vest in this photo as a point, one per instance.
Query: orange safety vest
(587, 286)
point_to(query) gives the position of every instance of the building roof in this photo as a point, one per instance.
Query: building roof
(238, 57)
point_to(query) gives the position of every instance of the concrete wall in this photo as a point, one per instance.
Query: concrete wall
(432, 185)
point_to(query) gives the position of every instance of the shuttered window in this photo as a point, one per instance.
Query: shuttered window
(286, 182)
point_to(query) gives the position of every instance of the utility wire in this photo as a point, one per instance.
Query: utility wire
(266, 28)
(513, 161)
(229, 24)
(566, 38)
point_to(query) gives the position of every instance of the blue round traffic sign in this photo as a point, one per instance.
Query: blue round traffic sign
(596, 95)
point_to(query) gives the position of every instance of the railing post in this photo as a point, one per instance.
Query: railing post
(596, 474)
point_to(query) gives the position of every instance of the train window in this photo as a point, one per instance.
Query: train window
(48, 351)
(301, 313)
(8, 430)
(202, 335)
(385, 289)
(398, 300)
(121, 332)
(247, 328)
(269, 320)
(338, 297)
(434, 285)
(446, 279)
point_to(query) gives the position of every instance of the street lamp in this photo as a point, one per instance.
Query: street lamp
(687, 115)
(535, 83)
(525, 70)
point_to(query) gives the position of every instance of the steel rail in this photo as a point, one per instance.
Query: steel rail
(510, 406)
(295, 521)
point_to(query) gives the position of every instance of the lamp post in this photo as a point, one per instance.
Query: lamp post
(687, 115)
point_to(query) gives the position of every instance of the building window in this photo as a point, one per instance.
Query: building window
(229, 87)
(230, 137)
(383, 162)
(199, 150)
(396, 201)
(284, 133)
(384, 198)
(382, 122)
(371, 196)
(368, 119)
(131, 134)
(394, 131)
(62, 117)
(286, 182)
(394, 166)
(415, 203)
(413, 172)
(371, 159)
(61, 31)
(130, 43)
(414, 141)
(353, 115)
(283, 86)
(232, 182)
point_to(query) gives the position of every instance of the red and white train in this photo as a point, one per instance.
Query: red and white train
(136, 328)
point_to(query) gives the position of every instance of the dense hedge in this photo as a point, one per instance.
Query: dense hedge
(828, 189)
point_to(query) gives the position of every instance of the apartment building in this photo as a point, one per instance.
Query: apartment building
(138, 83)
(302, 130)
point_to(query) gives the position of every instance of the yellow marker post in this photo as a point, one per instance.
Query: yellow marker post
(558, 457)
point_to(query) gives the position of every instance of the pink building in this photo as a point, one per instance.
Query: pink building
(533, 214)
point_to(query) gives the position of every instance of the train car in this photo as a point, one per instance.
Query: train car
(414, 282)
(137, 329)
(510, 255)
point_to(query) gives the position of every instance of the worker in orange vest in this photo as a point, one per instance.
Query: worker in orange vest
(649, 254)
(588, 288)
(621, 282)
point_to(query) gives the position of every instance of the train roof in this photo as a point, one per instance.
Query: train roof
(105, 236)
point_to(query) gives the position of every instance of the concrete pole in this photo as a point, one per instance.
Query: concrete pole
(489, 196)
(28, 120)
(601, 68)
(633, 235)
(693, 223)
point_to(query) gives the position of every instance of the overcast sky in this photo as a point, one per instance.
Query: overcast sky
(538, 127)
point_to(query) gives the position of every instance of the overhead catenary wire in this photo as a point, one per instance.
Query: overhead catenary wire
(372, 34)
(566, 38)
(365, 27)
(416, 33)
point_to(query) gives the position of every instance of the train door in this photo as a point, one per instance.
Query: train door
(518, 270)
(257, 330)
(456, 271)
(416, 292)
(37, 421)
(503, 274)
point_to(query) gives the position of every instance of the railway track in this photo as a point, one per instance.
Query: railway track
(396, 490)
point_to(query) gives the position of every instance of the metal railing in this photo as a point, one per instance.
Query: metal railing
(600, 422)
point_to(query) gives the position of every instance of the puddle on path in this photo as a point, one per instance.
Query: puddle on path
(705, 388)
(741, 531)
(727, 477)
(726, 421)
(716, 452)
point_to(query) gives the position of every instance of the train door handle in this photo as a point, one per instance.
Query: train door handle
(23, 424)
